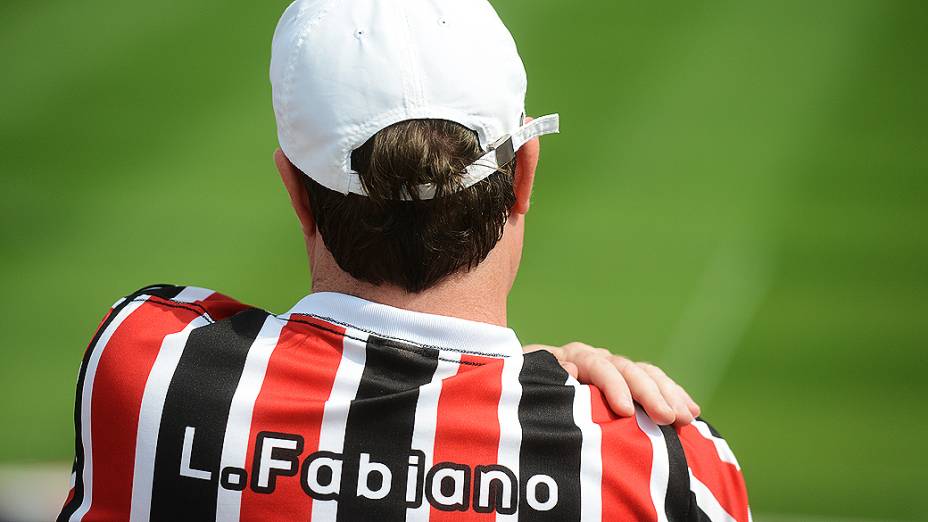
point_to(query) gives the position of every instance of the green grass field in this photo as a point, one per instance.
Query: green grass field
(740, 194)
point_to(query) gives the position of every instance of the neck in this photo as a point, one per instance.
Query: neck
(478, 295)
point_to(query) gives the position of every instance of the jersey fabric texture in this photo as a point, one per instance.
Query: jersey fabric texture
(193, 406)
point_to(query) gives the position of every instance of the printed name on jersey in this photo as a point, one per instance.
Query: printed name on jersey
(447, 486)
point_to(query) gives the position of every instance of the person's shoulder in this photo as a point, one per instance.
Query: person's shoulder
(137, 324)
(128, 368)
(152, 327)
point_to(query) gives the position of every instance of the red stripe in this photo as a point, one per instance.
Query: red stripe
(299, 380)
(626, 454)
(467, 425)
(119, 383)
(724, 480)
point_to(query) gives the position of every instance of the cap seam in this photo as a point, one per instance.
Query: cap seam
(408, 78)
(418, 89)
(303, 27)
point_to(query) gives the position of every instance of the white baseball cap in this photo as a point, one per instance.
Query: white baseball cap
(342, 70)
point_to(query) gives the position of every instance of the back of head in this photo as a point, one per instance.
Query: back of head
(414, 244)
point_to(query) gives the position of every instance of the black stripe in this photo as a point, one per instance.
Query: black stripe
(677, 502)
(550, 440)
(696, 513)
(380, 423)
(78, 497)
(200, 395)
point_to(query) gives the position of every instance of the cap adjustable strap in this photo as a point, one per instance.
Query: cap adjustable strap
(501, 152)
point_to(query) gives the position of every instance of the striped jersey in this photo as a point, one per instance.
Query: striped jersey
(193, 406)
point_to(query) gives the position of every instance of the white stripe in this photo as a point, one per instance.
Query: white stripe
(510, 430)
(707, 502)
(238, 428)
(591, 464)
(146, 442)
(721, 445)
(423, 435)
(192, 294)
(86, 398)
(335, 416)
(660, 463)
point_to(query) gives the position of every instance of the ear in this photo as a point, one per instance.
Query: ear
(526, 162)
(299, 197)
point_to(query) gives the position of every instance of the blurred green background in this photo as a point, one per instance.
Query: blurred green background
(739, 193)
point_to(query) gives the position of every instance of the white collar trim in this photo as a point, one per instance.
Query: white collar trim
(435, 331)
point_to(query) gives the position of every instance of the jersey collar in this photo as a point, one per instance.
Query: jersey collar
(436, 331)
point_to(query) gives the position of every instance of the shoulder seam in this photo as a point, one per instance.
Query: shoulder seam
(190, 307)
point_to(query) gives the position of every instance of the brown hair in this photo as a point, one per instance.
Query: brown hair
(414, 244)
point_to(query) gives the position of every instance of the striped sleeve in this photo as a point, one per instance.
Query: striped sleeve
(717, 488)
(113, 385)
(664, 474)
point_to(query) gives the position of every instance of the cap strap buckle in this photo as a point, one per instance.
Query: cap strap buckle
(503, 150)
